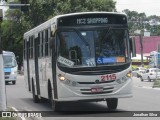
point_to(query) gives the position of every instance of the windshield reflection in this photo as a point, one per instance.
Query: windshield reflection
(9, 61)
(93, 47)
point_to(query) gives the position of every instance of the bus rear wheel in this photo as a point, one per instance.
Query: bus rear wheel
(112, 103)
(35, 97)
(54, 104)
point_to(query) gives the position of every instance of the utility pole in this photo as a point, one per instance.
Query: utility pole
(141, 47)
(2, 82)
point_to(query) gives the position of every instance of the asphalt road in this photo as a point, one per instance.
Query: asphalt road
(145, 98)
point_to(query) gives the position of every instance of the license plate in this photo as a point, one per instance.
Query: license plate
(96, 89)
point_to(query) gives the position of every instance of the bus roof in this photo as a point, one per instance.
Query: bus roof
(79, 13)
(9, 53)
(53, 21)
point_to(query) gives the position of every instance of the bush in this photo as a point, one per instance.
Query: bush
(156, 83)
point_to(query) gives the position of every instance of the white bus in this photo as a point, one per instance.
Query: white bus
(79, 57)
(154, 59)
(10, 67)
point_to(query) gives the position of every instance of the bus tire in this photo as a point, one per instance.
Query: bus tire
(112, 103)
(54, 104)
(35, 97)
(13, 82)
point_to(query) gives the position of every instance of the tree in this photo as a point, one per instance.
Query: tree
(142, 22)
(43, 10)
(12, 31)
(17, 22)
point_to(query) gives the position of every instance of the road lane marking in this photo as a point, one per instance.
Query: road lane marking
(22, 118)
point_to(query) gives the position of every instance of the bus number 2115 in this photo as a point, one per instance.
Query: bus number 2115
(108, 77)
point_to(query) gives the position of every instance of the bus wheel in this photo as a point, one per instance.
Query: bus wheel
(35, 97)
(112, 103)
(54, 104)
(13, 82)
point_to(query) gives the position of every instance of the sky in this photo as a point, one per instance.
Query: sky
(149, 7)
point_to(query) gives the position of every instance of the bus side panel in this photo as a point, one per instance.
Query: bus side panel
(45, 75)
(28, 70)
(36, 67)
(54, 77)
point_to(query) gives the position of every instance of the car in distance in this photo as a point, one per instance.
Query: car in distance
(139, 71)
(151, 74)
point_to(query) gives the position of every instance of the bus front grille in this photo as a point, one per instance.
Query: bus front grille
(103, 91)
(96, 82)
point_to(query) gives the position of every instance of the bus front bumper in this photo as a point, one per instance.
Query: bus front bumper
(119, 91)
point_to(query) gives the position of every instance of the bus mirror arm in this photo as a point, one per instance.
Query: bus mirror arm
(51, 42)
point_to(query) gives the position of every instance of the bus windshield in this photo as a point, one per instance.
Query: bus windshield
(9, 61)
(81, 48)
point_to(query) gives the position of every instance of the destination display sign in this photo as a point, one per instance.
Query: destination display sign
(84, 21)
(92, 19)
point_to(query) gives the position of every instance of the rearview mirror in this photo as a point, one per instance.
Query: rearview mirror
(132, 46)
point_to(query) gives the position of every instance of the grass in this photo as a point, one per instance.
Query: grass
(156, 83)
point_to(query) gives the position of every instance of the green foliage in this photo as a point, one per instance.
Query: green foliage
(134, 67)
(156, 83)
(46, 9)
(12, 31)
(16, 23)
(141, 21)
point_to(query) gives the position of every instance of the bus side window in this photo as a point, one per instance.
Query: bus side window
(46, 42)
(24, 48)
(42, 41)
(49, 35)
(38, 44)
(31, 47)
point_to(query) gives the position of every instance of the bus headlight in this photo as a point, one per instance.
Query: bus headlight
(62, 78)
(66, 81)
(129, 74)
(70, 83)
(124, 78)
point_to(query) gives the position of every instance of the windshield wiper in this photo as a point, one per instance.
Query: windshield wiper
(107, 31)
(82, 38)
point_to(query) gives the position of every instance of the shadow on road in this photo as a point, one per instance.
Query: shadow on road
(76, 109)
